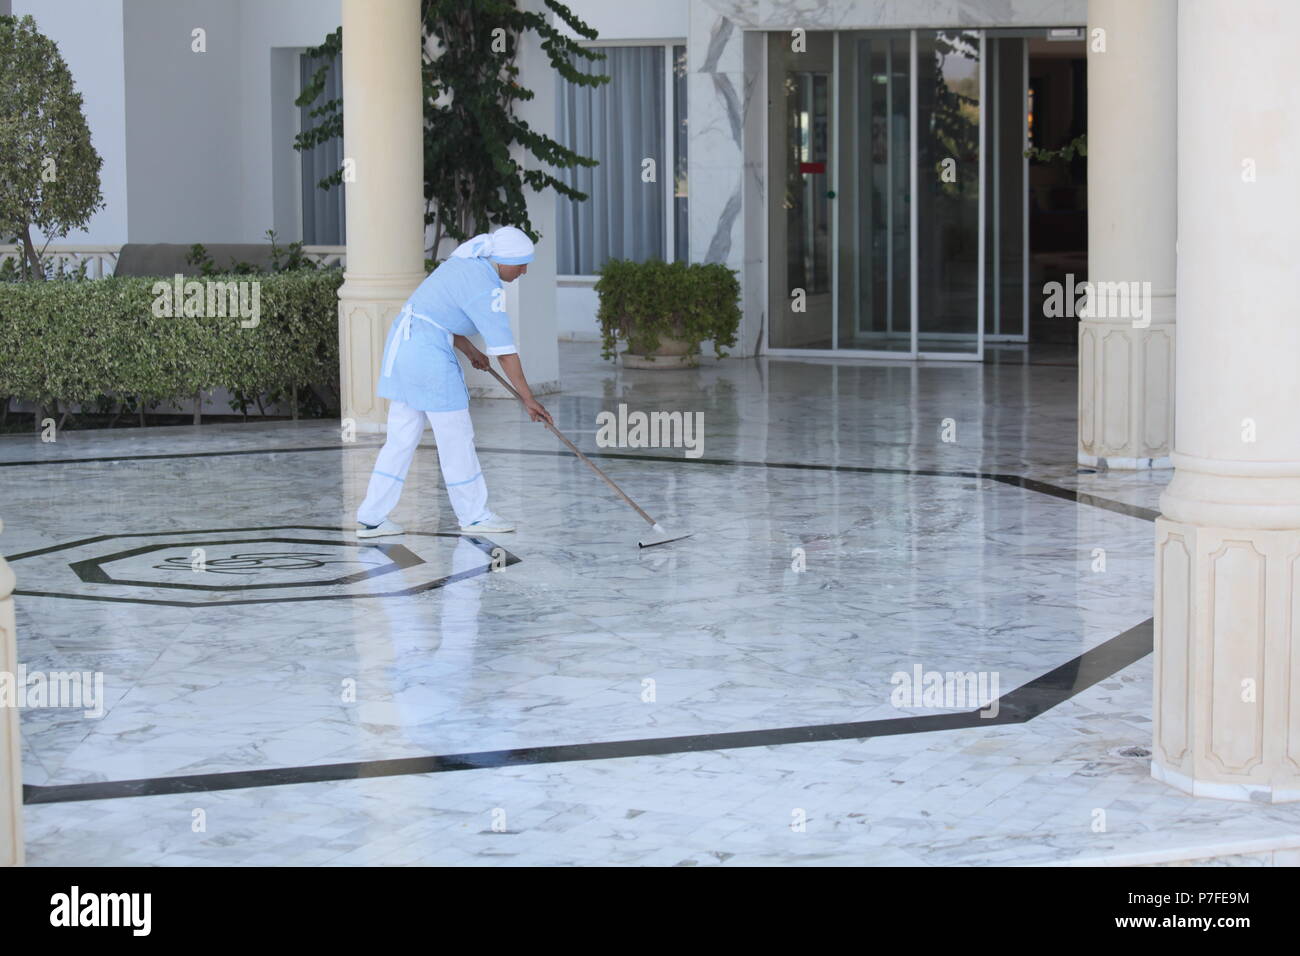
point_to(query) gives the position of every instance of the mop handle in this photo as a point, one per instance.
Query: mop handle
(574, 448)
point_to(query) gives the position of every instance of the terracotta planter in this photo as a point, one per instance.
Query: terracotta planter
(672, 353)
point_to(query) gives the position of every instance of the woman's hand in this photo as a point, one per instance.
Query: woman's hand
(472, 352)
(536, 412)
(515, 372)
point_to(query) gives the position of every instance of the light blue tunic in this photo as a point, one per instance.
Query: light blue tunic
(420, 366)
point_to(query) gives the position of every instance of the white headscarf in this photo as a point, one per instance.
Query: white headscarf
(508, 246)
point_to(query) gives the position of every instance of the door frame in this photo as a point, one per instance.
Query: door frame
(776, 268)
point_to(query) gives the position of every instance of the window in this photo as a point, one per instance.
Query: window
(634, 210)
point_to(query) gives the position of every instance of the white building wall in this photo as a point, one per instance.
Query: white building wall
(182, 121)
(575, 310)
(270, 37)
(200, 125)
(197, 147)
(633, 20)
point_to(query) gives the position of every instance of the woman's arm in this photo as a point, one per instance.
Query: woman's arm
(514, 370)
(472, 352)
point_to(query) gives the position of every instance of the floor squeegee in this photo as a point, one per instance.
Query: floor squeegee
(659, 534)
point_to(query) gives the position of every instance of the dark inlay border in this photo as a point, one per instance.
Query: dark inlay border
(1017, 481)
(187, 454)
(1018, 706)
(91, 570)
(483, 544)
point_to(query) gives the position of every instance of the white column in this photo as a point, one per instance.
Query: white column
(530, 300)
(383, 139)
(1126, 371)
(11, 762)
(1227, 608)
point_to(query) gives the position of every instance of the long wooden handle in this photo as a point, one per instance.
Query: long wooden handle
(574, 448)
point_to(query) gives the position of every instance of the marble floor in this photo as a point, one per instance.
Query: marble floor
(768, 691)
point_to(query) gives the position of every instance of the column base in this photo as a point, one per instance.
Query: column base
(363, 327)
(1244, 793)
(1126, 392)
(1227, 662)
(1124, 464)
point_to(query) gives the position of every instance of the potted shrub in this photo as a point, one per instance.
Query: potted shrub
(664, 310)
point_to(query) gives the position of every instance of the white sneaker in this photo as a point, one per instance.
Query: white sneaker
(387, 527)
(492, 524)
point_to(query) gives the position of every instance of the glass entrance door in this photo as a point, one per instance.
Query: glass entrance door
(878, 218)
(1006, 189)
(874, 194)
(800, 217)
(949, 154)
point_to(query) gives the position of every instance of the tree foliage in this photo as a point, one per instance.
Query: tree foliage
(955, 114)
(49, 171)
(471, 85)
(1077, 146)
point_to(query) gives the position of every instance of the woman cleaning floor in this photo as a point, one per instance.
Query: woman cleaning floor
(422, 378)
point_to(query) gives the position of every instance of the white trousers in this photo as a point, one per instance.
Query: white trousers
(454, 434)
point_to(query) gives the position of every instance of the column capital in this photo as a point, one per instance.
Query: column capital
(386, 287)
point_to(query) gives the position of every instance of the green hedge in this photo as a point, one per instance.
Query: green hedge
(76, 341)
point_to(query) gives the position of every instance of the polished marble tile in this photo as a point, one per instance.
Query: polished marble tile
(587, 638)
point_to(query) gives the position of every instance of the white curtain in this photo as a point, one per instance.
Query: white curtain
(322, 209)
(680, 210)
(621, 124)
